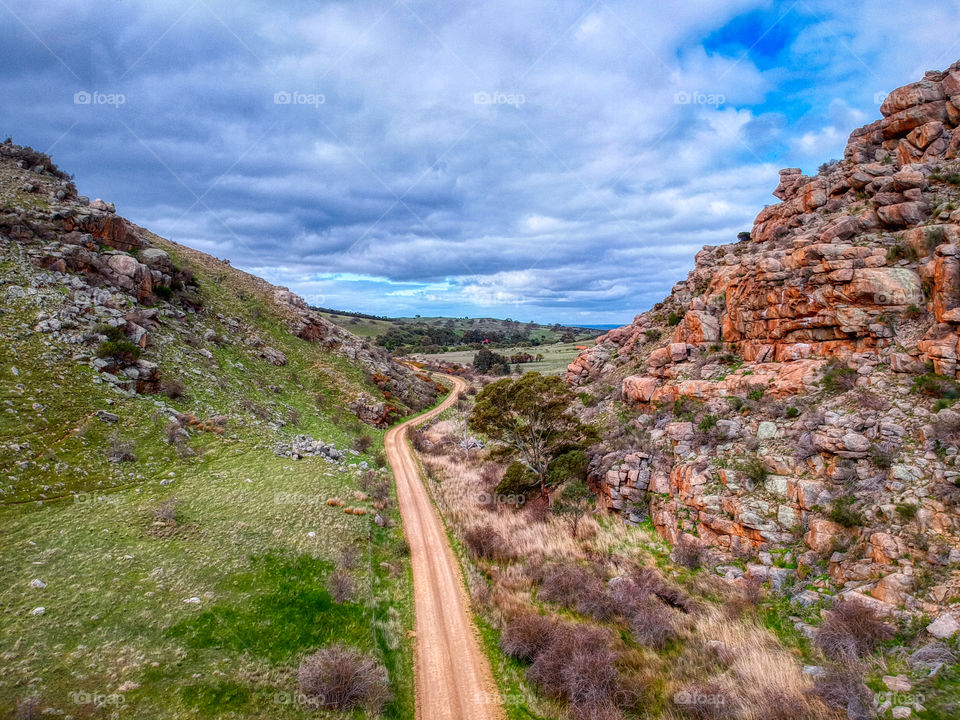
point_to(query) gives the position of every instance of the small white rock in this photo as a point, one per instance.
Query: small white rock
(38, 583)
(193, 600)
(39, 611)
(311, 534)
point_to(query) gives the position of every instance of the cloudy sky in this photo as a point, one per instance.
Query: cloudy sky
(551, 160)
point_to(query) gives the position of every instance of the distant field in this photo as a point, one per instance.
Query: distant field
(555, 357)
(449, 332)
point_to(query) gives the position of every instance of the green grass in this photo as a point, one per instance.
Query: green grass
(116, 583)
(556, 357)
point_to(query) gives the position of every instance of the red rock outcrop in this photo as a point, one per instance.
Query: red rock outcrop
(773, 387)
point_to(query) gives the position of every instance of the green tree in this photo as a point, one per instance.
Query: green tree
(529, 418)
(575, 501)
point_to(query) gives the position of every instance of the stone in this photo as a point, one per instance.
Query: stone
(107, 417)
(38, 584)
(639, 388)
(123, 265)
(897, 683)
(944, 627)
(38, 611)
(900, 712)
(766, 430)
(854, 442)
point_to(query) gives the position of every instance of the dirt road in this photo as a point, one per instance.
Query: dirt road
(452, 675)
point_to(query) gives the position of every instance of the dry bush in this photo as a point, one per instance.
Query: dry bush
(172, 388)
(349, 557)
(645, 583)
(485, 542)
(537, 511)
(340, 585)
(946, 428)
(653, 624)
(362, 443)
(527, 636)
(687, 553)
(166, 512)
(491, 474)
(119, 449)
(421, 443)
(579, 666)
(342, 678)
(851, 631)
(866, 400)
(561, 583)
(842, 688)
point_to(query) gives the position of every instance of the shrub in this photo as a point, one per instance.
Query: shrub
(792, 412)
(579, 666)
(342, 678)
(362, 443)
(743, 236)
(163, 292)
(653, 624)
(166, 512)
(907, 511)
(562, 583)
(687, 553)
(884, 453)
(485, 542)
(172, 388)
(674, 319)
(707, 423)
(340, 585)
(653, 334)
(119, 449)
(843, 512)
(121, 351)
(754, 468)
(526, 636)
(852, 630)
(517, 480)
(756, 394)
(936, 386)
(838, 378)
(842, 688)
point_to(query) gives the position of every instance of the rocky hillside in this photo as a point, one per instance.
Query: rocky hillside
(190, 455)
(788, 409)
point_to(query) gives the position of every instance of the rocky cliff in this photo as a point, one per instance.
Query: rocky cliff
(788, 408)
(114, 281)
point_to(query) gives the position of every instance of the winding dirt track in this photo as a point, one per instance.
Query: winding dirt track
(452, 675)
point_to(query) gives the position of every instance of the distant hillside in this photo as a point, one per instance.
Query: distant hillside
(444, 334)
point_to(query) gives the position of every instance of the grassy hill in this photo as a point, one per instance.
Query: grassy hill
(164, 554)
(444, 334)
